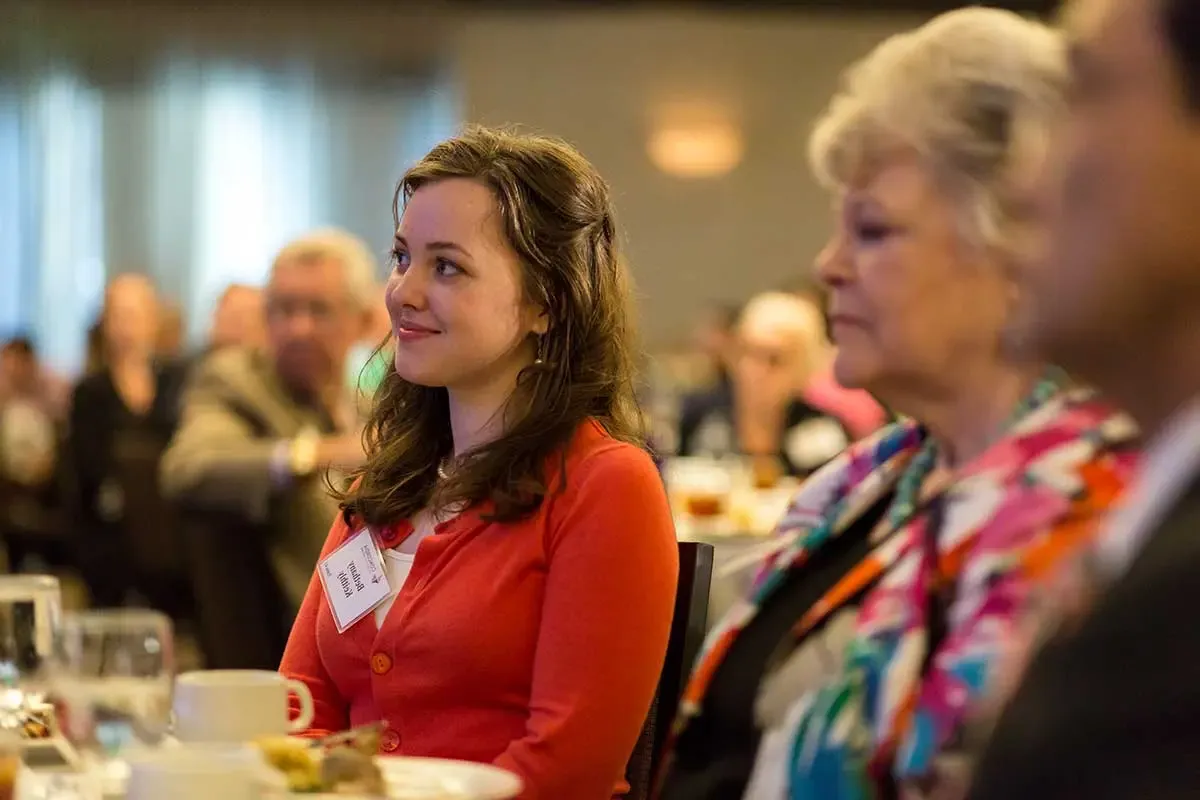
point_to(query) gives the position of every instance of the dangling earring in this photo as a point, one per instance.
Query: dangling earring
(539, 350)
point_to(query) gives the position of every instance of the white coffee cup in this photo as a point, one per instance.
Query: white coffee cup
(237, 705)
(184, 774)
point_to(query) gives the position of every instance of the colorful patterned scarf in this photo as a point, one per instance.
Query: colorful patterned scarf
(1011, 517)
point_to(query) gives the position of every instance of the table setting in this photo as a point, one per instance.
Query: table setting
(731, 497)
(734, 504)
(91, 708)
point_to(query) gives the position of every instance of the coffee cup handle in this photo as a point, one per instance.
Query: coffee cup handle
(302, 722)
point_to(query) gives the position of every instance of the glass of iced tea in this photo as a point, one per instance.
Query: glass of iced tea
(700, 488)
(705, 505)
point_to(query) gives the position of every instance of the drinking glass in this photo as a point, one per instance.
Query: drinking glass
(112, 687)
(30, 622)
(700, 487)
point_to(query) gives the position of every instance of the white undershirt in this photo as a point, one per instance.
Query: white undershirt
(398, 562)
(397, 566)
(1170, 465)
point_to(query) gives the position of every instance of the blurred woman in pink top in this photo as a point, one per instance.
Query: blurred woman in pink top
(857, 410)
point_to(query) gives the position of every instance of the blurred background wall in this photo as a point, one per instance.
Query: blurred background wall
(190, 141)
(610, 81)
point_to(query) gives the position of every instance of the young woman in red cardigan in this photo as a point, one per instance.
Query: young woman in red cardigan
(500, 586)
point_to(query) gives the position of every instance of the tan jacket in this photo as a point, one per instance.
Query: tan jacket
(224, 457)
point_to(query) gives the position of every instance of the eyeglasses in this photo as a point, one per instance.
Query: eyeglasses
(282, 309)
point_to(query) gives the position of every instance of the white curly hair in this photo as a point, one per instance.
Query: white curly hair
(974, 92)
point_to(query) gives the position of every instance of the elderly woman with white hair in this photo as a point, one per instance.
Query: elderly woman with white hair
(858, 665)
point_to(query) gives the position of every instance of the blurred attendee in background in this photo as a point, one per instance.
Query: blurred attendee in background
(170, 340)
(530, 558)
(121, 417)
(858, 664)
(779, 345)
(239, 319)
(32, 406)
(714, 338)
(1109, 706)
(371, 357)
(23, 377)
(260, 428)
(32, 411)
(93, 353)
(856, 409)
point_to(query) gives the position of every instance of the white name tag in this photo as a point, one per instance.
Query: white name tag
(354, 579)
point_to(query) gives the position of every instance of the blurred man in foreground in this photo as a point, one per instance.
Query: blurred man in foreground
(1109, 705)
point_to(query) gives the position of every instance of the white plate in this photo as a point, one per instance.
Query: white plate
(471, 781)
(433, 779)
(406, 779)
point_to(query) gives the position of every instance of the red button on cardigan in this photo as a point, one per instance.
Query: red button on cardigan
(381, 663)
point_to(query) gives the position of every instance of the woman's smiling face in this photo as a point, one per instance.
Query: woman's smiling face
(456, 296)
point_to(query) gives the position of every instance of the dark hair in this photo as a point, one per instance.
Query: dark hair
(1179, 21)
(557, 215)
(21, 345)
(94, 348)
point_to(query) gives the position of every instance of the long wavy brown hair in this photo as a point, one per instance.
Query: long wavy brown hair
(557, 215)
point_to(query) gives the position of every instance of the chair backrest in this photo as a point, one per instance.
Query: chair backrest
(688, 628)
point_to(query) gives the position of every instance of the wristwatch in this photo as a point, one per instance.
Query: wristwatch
(302, 454)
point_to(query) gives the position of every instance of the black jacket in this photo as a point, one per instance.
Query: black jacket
(1109, 709)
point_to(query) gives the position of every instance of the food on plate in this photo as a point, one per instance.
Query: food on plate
(295, 759)
(36, 727)
(349, 771)
(33, 721)
(345, 764)
(347, 768)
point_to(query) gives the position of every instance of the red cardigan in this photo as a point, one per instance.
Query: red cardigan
(535, 646)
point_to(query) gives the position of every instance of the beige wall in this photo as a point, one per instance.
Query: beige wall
(596, 78)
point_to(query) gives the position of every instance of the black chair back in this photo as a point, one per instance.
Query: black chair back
(688, 629)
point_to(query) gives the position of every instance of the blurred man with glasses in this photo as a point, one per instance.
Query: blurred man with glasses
(261, 428)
